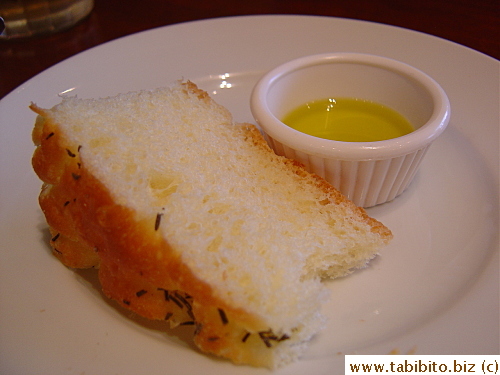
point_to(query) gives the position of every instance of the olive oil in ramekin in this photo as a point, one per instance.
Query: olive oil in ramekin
(348, 120)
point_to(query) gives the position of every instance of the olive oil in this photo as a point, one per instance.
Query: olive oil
(348, 120)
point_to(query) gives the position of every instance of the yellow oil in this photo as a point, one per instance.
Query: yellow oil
(348, 120)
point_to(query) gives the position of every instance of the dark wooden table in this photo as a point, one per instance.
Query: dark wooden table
(473, 23)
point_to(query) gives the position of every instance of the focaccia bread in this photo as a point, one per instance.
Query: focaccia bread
(191, 218)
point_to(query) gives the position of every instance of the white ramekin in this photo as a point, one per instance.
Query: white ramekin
(368, 173)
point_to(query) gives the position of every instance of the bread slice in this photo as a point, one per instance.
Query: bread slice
(192, 218)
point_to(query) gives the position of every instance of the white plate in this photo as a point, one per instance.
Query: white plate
(434, 290)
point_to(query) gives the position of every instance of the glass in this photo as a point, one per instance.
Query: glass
(24, 18)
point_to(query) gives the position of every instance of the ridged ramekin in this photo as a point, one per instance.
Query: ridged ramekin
(368, 173)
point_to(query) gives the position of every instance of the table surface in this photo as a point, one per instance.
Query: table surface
(472, 23)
